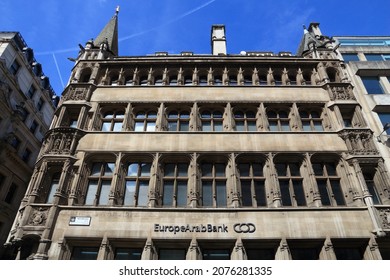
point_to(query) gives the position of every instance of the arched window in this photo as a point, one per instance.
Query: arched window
(311, 119)
(137, 183)
(175, 180)
(212, 120)
(278, 119)
(290, 183)
(252, 182)
(145, 120)
(113, 120)
(99, 183)
(178, 120)
(245, 120)
(213, 184)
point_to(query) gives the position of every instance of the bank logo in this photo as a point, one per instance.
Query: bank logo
(244, 228)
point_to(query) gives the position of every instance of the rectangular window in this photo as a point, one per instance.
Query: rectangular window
(33, 127)
(305, 249)
(128, 253)
(290, 183)
(385, 118)
(14, 67)
(372, 85)
(11, 194)
(350, 57)
(40, 104)
(84, 253)
(373, 57)
(26, 155)
(172, 254)
(31, 91)
(328, 184)
(216, 254)
(55, 181)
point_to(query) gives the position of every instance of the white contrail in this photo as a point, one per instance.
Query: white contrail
(58, 70)
(168, 22)
(190, 12)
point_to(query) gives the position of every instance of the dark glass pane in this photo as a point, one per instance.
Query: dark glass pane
(294, 169)
(169, 169)
(172, 254)
(120, 115)
(96, 169)
(250, 114)
(143, 193)
(251, 125)
(206, 114)
(239, 114)
(184, 126)
(184, 115)
(91, 192)
(337, 192)
(207, 193)
(261, 198)
(373, 57)
(318, 126)
(181, 196)
(304, 253)
(261, 254)
(348, 253)
(240, 126)
(206, 126)
(373, 191)
(304, 114)
(318, 169)
(285, 125)
(281, 169)
(257, 169)
(350, 57)
(140, 115)
(207, 169)
(285, 193)
(299, 193)
(145, 169)
(85, 253)
(108, 114)
(182, 169)
(218, 126)
(217, 114)
(283, 114)
(173, 115)
(244, 169)
(128, 253)
(216, 254)
(306, 126)
(246, 193)
(221, 193)
(104, 192)
(220, 170)
(331, 169)
(273, 126)
(322, 188)
(168, 193)
(272, 114)
(152, 114)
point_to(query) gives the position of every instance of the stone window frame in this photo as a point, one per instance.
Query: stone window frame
(110, 119)
(203, 118)
(149, 116)
(179, 120)
(311, 121)
(252, 178)
(245, 119)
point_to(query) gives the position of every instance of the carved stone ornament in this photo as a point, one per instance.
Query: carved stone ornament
(38, 216)
(341, 93)
(384, 215)
(61, 141)
(359, 141)
(76, 93)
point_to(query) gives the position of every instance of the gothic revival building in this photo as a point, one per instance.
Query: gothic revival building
(223, 156)
(26, 111)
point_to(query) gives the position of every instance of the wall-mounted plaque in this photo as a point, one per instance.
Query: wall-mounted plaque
(79, 221)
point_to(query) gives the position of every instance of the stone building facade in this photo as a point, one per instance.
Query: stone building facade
(26, 111)
(250, 156)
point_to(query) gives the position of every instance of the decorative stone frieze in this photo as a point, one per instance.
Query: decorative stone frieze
(340, 91)
(61, 141)
(359, 141)
(78, 93)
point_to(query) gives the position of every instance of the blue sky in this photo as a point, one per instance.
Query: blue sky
(54, 28)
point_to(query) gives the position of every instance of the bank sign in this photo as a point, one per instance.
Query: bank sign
(206, 228)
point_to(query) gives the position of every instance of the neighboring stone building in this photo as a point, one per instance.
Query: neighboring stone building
(26, 111)
(223, 156)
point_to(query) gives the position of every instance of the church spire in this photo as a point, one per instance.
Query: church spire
(108, 37)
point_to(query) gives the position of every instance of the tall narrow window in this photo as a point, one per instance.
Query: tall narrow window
(112, 121)
(33, 127)
(40, 104)
(178, 120)
(245, 120)
(311, 120)
(11, 194)
(145, 121)
(99, 183)
(14, 67)
(290, 182)
(213, 185)
(212, 120)
(137, 184)
(53, 187)
(328, 184)
(175, 184)
(370, 182)
(278, 120)
(252, 184)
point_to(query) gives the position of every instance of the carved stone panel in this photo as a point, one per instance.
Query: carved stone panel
(38, 216)
(384, 215)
